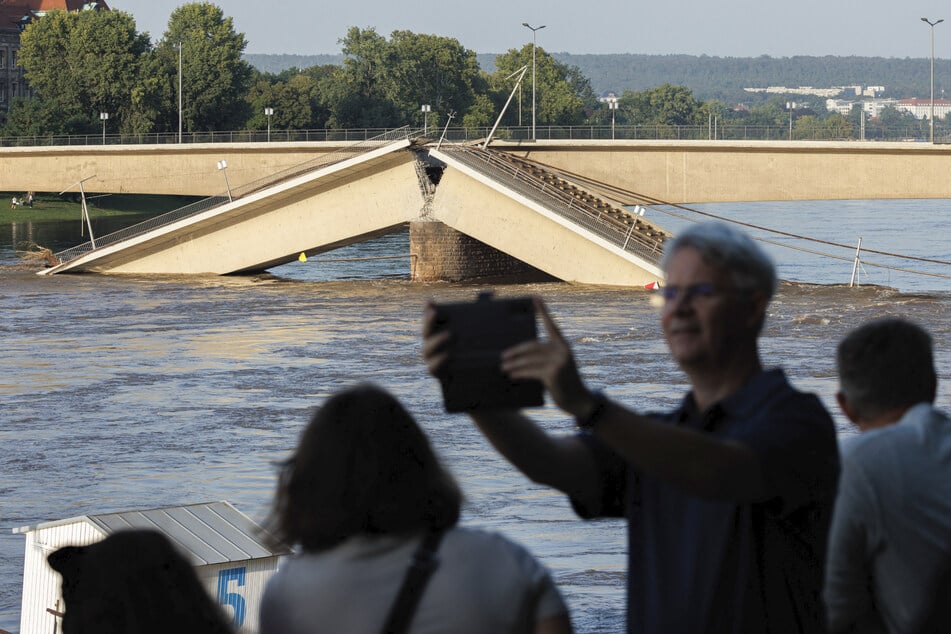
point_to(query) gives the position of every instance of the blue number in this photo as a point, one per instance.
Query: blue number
(235, 600)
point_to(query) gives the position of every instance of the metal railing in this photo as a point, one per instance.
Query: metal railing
(521, 179)
(237, 192)
(723, 131)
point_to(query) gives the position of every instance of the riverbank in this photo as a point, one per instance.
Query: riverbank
(52, 207)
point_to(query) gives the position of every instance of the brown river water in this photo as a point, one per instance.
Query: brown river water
(121, 393)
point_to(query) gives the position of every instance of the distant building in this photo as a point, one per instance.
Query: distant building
(872, 107)
(14, 16)
(921, 108)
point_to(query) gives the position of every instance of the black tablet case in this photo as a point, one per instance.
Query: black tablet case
(480, 331)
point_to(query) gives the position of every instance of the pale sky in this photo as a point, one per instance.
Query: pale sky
(727, 28)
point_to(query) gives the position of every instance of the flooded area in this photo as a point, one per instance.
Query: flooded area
(123, 393)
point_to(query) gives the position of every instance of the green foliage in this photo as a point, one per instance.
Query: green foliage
(563, 96)
(296, 104)
(385, 82)
(665, 105)
(82, 63)
(215, 77)
(29, 117)
(726, 77)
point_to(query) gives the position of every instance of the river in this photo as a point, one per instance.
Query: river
(131, 392)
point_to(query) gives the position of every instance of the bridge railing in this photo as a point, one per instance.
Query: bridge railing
(622, 235)
(211, 202)
(723, 131)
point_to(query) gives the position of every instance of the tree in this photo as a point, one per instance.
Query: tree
(28, 117)
(357, 94)
(215, 77)
(82, 63)
(664, 106)
(563, 96)
(433, 70)
(296, 103)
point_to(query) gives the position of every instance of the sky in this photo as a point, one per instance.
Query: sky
(726, 28)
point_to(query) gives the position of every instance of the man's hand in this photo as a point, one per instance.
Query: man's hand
(552, 363)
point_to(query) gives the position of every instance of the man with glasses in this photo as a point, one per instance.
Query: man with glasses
(728, 497)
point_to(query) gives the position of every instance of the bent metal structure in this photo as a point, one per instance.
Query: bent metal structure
(503, 204)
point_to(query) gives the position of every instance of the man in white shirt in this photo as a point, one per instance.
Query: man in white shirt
(890, 542)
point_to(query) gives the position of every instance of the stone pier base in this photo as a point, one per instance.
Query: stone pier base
(441, 253)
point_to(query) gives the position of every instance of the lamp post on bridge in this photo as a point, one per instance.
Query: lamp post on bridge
(103, 116)
(223, 167)
(534, 29)
(932, 25)
(268, 112)
(612, 105)
(426, 109)
(179, 91)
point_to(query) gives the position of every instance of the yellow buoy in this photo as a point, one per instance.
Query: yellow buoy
(302, 257)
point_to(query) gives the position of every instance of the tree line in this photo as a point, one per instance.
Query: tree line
(81, 64)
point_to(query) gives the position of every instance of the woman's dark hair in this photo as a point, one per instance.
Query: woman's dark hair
(133, 582)
(363, 466)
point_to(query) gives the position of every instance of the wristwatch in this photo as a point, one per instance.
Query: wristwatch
(591, 420)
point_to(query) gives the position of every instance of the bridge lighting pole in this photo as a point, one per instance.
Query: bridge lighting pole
(223, 166)
(534, 29)
(612, 105)
(932, 25)
(268, 112)
(103, 116)
(426, 109)
(179, 91)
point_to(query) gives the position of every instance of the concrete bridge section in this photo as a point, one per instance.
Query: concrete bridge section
(671, 171)
(514, 218)
(734, 171)
(348, 201)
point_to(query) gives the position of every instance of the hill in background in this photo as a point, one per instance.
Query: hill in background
(712, 77)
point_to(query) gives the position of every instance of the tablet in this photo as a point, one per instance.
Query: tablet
(472, 379)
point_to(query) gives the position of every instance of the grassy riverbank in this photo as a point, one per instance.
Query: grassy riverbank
(51, 208)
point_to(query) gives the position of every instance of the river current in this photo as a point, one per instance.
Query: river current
(121, 393)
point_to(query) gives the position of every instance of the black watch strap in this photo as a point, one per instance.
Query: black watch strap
(591, 420)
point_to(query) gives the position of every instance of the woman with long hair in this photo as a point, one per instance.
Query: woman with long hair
(361, 498)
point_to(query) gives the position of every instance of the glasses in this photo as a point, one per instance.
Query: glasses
(703, 290)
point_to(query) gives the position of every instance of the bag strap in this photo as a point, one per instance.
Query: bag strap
(424, 564)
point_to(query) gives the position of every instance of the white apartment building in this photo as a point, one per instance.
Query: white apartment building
(921, 108)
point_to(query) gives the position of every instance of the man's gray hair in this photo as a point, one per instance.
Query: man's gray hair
(886, 364)
(733, 251)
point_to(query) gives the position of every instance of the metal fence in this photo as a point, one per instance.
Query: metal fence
(724, 131)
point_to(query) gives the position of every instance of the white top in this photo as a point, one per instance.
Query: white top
(484, 584)
(891, 530)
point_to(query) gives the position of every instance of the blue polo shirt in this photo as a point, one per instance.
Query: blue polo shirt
(705, 565)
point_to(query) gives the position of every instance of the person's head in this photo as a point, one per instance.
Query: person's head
(885, 367)
(133, 582)
(718, 284)
(363, 466)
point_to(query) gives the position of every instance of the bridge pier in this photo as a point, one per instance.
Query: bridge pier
(443, 254)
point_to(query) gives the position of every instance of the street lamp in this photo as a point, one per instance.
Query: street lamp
(103, 116)
(223, 166)
(932, 25)
(612, 105)
(535, 30)
(426, 109)
(268, 112)
(179, 91)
